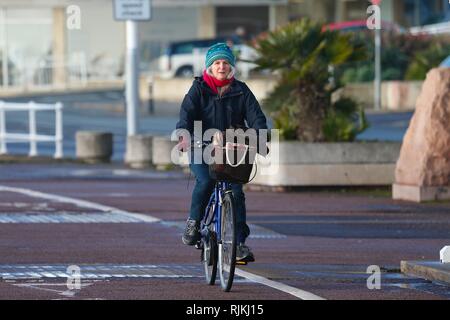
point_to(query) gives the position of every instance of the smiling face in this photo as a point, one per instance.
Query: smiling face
(220, 69)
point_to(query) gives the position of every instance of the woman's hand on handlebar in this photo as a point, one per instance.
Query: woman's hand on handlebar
(183, 144)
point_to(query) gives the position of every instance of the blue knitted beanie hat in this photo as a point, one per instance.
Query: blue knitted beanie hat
(219, 51)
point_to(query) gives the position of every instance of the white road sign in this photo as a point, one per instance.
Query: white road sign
(136, 10)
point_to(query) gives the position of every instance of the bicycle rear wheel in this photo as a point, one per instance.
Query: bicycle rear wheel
(227, 245)
(209, 250)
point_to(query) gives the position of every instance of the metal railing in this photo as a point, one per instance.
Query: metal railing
(32, 136)
(32, 73)
(27, 72)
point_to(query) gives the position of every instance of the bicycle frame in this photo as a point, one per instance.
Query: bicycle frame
(223, 250)
(217, 197)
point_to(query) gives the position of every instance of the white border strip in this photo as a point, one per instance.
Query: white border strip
(80, 203)
(304, 295)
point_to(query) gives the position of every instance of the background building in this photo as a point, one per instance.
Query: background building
(37, 47)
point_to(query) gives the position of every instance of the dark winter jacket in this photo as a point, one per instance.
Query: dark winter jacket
(236, 108)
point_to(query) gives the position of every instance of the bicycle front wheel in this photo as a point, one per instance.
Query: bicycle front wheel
(209, 257)
(209, 242)
(227, 245)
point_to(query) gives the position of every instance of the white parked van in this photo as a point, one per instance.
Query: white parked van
(187, 58)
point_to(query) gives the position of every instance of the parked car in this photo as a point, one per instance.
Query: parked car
(445, 63)
(186, 58)
(361, 25)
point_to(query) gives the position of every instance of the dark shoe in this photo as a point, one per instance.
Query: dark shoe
(191, 232)
(244, 254)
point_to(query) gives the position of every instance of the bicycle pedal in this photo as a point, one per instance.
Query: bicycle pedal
(242, 263)
(199, 245)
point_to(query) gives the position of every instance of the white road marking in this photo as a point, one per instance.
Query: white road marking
(79, 203)
(100, 271)
(42, 286)
(304, 295)
(258, 232)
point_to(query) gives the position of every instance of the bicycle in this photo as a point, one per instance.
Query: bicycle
(218, 237)
(218, 228)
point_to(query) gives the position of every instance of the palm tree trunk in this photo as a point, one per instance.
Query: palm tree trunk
(313, 103)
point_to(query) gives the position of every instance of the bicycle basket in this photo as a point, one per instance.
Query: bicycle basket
(233, 162)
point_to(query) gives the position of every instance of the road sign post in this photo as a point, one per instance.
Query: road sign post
(132, 11)
(377, 80)
(132, 76)
(377, 69)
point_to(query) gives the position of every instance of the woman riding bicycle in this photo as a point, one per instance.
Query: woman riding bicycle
(220, 102)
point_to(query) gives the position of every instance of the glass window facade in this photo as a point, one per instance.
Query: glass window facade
(25, 43)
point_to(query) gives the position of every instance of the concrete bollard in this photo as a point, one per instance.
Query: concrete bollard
(162, 149)
(94, 147)
(139, 151)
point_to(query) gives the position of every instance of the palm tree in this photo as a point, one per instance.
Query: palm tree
(303, 54)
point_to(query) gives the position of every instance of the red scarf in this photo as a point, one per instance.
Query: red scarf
(213, 83)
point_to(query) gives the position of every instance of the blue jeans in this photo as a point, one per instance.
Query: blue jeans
(203, 188)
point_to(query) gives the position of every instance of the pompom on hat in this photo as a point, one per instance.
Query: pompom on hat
(219, 51)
